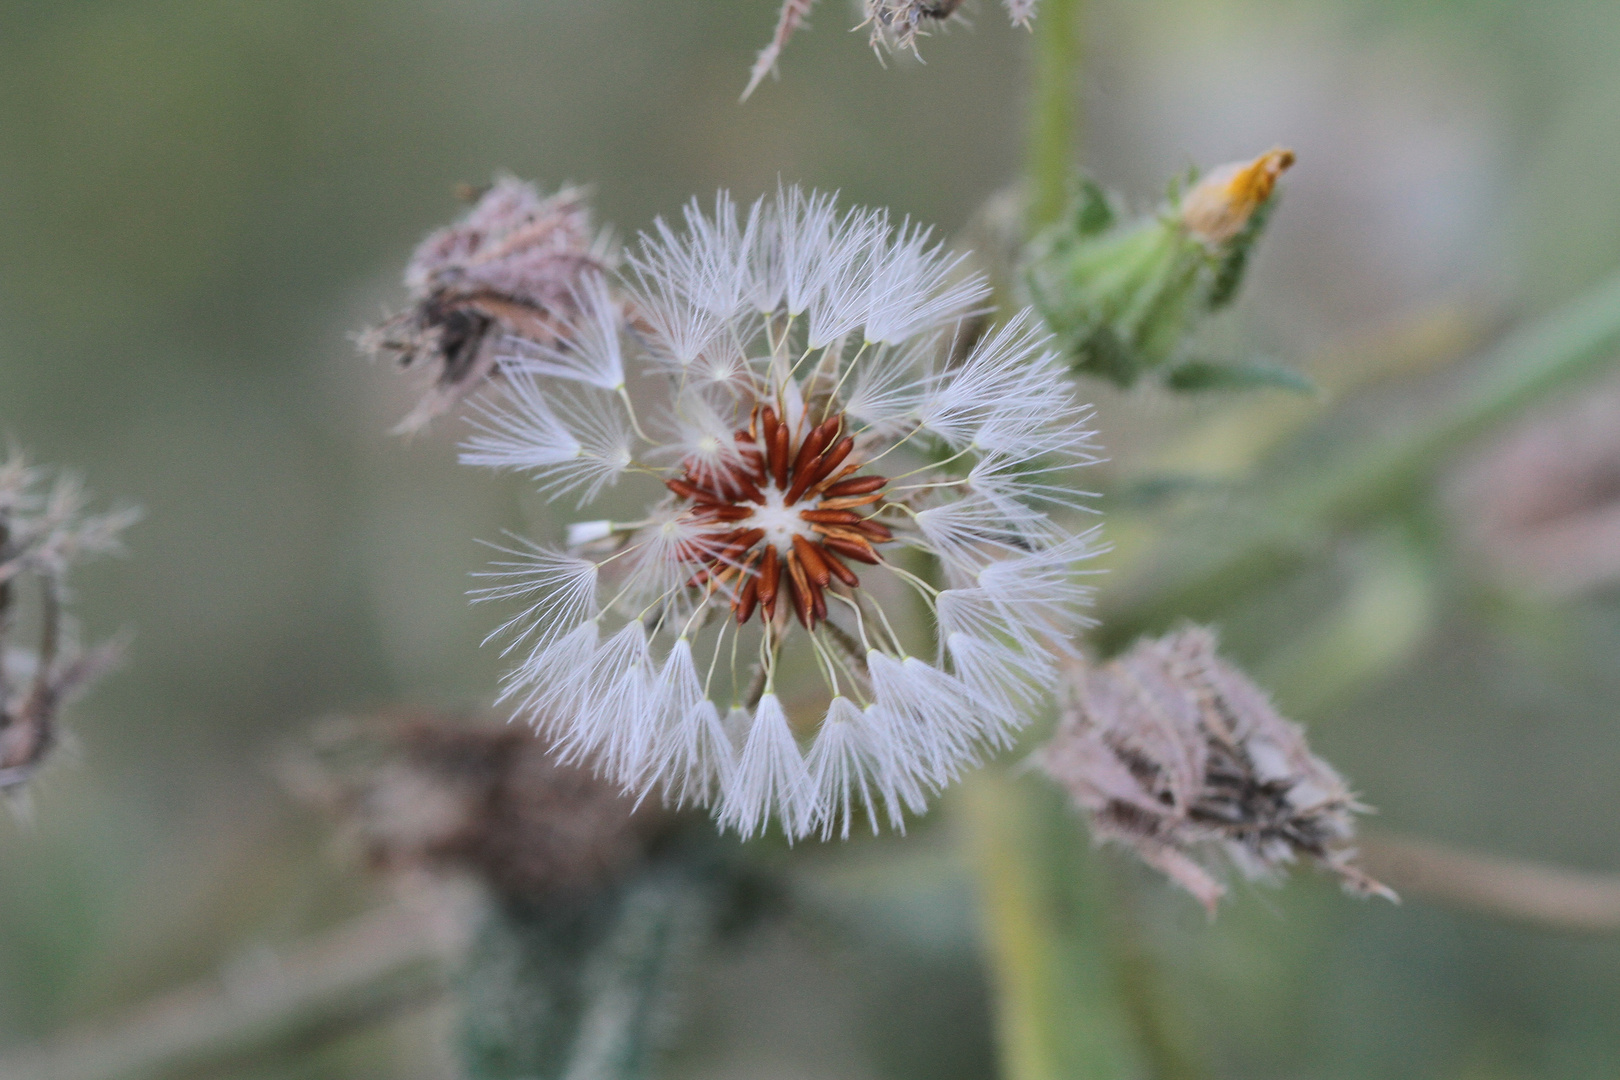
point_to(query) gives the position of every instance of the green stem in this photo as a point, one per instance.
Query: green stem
(1054, 110)
(1045, 923)
(1269, 527)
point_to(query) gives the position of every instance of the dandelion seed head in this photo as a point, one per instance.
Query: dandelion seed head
(776, 379)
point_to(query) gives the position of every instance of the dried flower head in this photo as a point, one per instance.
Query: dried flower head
(1540, 505)
(511, 266)
(811, 454)
(430, 791)
(1175, 754)
(895, 25)
(43, 533)
(1220, 205)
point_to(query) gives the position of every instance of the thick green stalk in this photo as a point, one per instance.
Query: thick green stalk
(1054, 123)
(1267, 528)
(1045, 923)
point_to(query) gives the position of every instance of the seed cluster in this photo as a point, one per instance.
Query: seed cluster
(757, 494)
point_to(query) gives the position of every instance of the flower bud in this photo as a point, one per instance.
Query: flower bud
(1125, 296)
(1220, 205)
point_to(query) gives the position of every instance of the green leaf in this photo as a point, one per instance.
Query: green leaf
(1234, 262)
(1093, 211)
(1202, 376)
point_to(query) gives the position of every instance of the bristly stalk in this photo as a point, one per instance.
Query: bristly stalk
(1054, 113)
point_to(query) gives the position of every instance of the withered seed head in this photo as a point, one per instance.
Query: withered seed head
(1178, 756)
(430, 791)
(510, 267)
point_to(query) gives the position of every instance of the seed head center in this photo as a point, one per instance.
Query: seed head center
(780, 521)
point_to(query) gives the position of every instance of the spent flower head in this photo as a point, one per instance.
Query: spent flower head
(44, 531)
(1176, 755)
(420, 790)
(510, 266)
(856, 563)
(894, 25)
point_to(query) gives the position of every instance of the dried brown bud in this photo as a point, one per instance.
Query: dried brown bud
(432, 792)
(1221, 204)
(1541, 504)
(42, 535)
(509, 267)
(1176, 755)
(897, 24)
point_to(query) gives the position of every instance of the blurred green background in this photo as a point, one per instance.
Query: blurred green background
(200, 201)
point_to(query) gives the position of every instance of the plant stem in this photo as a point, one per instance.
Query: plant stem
(1045, 929)
(377, 967)
(1054, 116)
(1268, 526)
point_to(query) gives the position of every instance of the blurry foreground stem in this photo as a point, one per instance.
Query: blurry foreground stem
(1057, 1017)
(375, 968)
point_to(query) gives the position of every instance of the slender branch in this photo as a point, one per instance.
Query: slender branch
(1054, 110)
(1507, 888)
(375, 967)
(1206, 569)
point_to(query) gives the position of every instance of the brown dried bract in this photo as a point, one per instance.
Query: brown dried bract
(897, 24)
(1178, 756)
(788, 20)
(509, 267)
(427, 791)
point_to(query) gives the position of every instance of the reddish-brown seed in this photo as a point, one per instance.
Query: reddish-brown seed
(803, 605)
(849, 503)
(830, 461)
(860, 485)
(767, 436)
(770, 578)
(748, 490)
(814, 443)
(779, 457)
(724, 513)
(836, 565)
(738, 546)
(690, 491)
(823, 485)
(857, 548)
(804, 465)
(814, 565)
(871, 528)
(818, 601)
(831, 517)
(746, 601)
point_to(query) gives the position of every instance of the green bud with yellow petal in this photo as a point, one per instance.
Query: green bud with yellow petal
(1123, 296)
